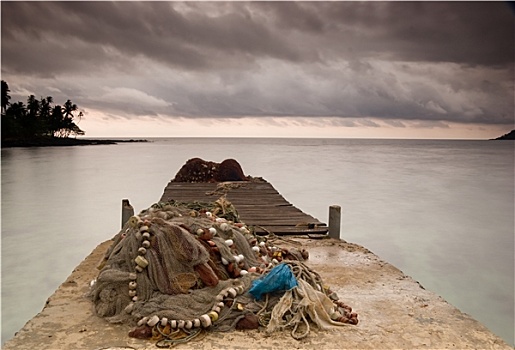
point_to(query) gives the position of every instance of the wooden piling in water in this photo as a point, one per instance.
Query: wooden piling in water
(127, 211)
(334, 221)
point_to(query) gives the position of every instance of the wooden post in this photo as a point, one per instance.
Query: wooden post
(334, 221)
(127, 211)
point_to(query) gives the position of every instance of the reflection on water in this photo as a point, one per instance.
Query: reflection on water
(441, 211)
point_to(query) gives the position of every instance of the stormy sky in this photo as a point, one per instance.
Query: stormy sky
(343, 65)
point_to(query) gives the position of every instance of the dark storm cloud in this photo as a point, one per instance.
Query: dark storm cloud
(461, 32)
(392, 60)
(155, 30)
(464, 32)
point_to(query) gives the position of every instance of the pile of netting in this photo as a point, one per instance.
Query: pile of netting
(177, 270)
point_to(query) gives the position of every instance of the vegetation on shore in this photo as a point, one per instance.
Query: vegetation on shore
(39, 119)
(41, 123)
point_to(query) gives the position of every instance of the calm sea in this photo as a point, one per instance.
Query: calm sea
(441, 211)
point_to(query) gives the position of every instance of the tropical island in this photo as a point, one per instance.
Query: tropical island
(42, 123)
(508, 136)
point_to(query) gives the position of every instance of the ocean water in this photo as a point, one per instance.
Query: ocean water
(441, 211)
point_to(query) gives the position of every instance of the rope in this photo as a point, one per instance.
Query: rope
(177, 337)
(308, 301)
(302, 335)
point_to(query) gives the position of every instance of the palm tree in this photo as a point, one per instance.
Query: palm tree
(56, 120)
(45, 116)
(69, 108)
(33, 126)
(13, 121)
(33, 106)
(18, 109)
(5, 96)
(70, 126)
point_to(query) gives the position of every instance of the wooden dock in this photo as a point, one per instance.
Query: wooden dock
(258, 204)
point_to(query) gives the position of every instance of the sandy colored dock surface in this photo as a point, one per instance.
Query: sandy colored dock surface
(394, 312)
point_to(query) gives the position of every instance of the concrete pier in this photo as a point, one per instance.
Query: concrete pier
(394, 310)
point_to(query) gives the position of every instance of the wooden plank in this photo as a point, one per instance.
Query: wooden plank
(258, 204)
(271, 210)
(284, 230)
(278, 219)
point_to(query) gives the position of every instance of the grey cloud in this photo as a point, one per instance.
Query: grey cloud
(391, 60)
(463, 32)
(289, 15)
(193, 40)
(395, 123)
(471, 32)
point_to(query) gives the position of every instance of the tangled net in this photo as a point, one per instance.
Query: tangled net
(177, 270)
(200, 170)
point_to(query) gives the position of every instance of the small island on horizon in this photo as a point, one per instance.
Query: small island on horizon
(508, 136)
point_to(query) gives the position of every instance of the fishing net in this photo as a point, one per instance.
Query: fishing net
(199, 170)
(177, 269)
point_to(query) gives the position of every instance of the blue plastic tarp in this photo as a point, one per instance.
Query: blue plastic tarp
(280, 278)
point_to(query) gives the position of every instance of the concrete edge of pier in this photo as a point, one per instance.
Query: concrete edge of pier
(394, 310)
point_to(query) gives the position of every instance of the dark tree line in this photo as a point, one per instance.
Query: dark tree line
(38, 118)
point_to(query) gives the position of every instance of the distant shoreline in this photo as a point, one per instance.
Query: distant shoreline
(53, 142)
(508, 136)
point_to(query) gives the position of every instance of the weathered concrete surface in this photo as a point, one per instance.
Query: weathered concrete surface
(394, 312)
